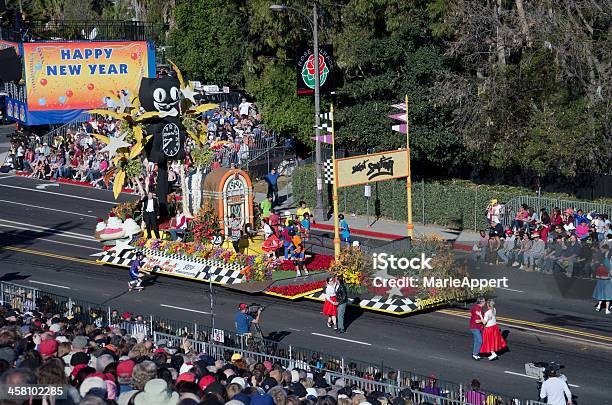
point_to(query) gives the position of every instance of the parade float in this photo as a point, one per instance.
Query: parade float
(156, 128)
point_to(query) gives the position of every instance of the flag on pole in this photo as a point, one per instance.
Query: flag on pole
(326, 116)
(325, 127)
(323, 138)
(399, 117)
(401, 128)
(399, 106)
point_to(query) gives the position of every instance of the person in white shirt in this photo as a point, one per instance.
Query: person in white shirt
(244, 107)
(555, 390)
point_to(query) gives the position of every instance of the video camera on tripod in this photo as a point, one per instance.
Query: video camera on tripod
(542, 371)
(253, 308)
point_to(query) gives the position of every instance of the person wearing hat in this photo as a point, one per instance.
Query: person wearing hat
(243, 321)
(535, 254)
(135, 273)
(156, 392)
(494, 211)
(555, 389)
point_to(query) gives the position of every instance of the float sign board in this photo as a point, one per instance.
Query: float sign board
(372, 168)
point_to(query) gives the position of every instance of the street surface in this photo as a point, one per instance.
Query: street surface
(46, 241)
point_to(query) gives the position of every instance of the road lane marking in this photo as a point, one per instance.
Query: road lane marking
(184, 309)
(540, 325)
(8, 177)
(534, 378)
(49, 209)
(52, 285)
(37, 228)
(52, 255)
(60, 194)
(510, 289)
(45, 185)
(68, 244)
(297, 330)
(339, 338)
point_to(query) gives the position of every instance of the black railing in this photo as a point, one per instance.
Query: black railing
(74, 30)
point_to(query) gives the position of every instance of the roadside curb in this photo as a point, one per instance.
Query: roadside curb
(380, 235)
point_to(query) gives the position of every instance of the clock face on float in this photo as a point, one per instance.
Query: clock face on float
(171, 140)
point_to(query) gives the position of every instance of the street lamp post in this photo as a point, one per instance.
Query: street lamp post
(317, 95)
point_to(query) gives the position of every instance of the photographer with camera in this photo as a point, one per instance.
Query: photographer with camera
(555, 388)
(243, 319)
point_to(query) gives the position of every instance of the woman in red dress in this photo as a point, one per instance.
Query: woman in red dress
(330, 308)
(492, 339)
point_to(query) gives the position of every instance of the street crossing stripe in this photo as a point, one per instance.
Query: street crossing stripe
(534, 324)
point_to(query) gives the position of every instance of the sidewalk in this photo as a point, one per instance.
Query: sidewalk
(384, 228)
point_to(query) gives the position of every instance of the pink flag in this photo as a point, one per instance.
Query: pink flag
(400, 106)
(323, 138)
(399, 128)
(399, 117)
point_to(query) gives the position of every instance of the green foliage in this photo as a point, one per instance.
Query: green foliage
(208, 41)
(274, 89)
(133, 168)
(202, 157)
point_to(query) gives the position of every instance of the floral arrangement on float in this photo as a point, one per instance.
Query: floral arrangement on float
(255, 267)
(316, 263)
(296, 291)
(355, 267)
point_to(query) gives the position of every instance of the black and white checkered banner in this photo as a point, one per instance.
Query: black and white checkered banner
(328, 171)
(179, 265)
(393, 305)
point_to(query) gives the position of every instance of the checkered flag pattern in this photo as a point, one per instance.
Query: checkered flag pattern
(229, 273)
(386, 304)
(328, 171)
(325, 127)
(326, 124)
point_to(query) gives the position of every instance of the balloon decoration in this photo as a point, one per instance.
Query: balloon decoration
(156, 129)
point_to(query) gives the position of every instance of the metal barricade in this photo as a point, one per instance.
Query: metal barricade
(512, 206)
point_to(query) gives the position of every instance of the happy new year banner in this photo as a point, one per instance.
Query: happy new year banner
(80, 75)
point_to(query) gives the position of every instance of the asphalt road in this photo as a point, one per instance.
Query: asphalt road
(547, 318)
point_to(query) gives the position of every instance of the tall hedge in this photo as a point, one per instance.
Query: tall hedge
(455, 203)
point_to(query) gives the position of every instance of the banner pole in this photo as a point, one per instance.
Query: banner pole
(410, 226)
(335, 189)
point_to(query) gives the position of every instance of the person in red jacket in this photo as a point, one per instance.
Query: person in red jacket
(476, 326)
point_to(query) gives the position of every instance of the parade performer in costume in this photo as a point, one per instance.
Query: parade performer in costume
(603, 288)
(330, 308)
(492, 339)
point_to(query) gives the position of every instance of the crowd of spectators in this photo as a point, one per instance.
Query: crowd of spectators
(119, 362)
(233, 134)
(570, 241)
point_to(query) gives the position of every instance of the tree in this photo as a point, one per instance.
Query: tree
(209, 40)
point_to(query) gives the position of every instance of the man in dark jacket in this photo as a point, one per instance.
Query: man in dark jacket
(150, 214)
(342, 300)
